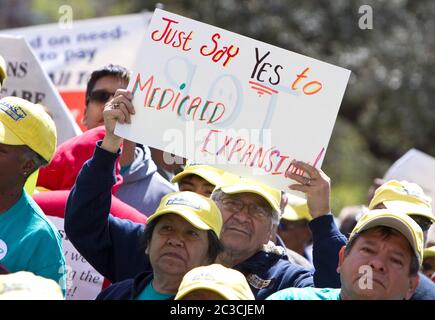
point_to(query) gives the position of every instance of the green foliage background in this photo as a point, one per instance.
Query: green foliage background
(388, 106)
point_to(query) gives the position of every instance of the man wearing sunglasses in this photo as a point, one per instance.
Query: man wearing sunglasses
(142, 186)
(101, 87)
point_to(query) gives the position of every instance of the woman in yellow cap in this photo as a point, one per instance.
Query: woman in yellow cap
(28, 240)
(181, 235)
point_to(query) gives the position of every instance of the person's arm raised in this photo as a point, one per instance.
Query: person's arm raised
(119, 109)
(316, 187)
(327, 239)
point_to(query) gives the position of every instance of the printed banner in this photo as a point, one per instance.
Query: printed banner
(69, 53)
(27, 80)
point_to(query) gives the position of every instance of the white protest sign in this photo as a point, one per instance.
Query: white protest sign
(27, 80)
(69, 55)
(415, 166)
(220, 98)
(83, 282)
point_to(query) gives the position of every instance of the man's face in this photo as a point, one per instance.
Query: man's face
(196, 184)
(11, 165)
(388, 258)
(245, 230)
(295, 234)
(429, 268)
(102, 92)
(176, 246)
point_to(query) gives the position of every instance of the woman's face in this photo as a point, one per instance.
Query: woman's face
(177, 246)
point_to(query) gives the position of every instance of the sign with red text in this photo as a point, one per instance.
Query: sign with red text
(70, 53)
(27, 80)
(220, 98)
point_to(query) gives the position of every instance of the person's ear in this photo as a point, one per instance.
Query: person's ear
(284, 201)
(147, 246)
(269, 234)
(28, 167)
(85, 117)
(340, 258)
(413, 283)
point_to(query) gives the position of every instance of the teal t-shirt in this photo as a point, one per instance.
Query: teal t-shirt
(149, 293)
(124, 169)
(30, 242)
(306, 294)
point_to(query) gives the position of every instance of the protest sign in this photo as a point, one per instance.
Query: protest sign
(27, 80)
(415, 166)
(83, 282)
(220, 98)
(70, 53)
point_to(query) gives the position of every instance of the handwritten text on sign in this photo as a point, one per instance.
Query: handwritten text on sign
(252, 107)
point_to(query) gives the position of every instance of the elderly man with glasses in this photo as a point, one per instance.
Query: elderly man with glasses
(251, 211)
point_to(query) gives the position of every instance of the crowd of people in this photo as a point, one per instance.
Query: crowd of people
(197, 232)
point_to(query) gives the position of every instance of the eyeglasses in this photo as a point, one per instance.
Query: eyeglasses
(100, 96)
(423, 222)
(254, 210)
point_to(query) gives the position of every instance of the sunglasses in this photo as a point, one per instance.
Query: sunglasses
(100, 96)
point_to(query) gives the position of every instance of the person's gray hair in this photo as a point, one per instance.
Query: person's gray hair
(276, 215)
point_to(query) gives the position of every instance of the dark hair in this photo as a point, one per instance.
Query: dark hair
(423, 222)
(214, 244)
(386, 232)
(109, 70)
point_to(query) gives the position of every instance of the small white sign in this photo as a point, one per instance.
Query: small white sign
(415, 166)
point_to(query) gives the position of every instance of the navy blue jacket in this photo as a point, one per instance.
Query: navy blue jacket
(127, 289)
(115, 248)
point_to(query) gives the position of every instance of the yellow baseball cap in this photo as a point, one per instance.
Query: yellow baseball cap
(296, 209)
(25, 285)
(233, 184)
(26, 123)
(3, 74)
(210, 174)
(403, 196)
(396, 220)
(198, 210)
(229, 283)
(429, 252)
